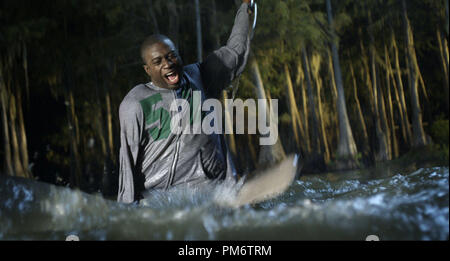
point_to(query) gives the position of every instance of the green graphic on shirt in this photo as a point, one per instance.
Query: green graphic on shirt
(152, 115)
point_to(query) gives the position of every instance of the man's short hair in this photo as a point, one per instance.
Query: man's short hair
(151, 40)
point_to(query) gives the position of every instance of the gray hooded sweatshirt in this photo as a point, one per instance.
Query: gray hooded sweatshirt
(151, 156)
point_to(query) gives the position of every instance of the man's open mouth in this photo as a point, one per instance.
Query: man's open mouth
(172, 77)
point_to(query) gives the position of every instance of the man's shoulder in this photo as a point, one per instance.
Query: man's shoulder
(192, 69)
(131, 101)
(193, 73)
(136, 93)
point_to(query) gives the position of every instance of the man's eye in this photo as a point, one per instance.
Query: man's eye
(156, 62)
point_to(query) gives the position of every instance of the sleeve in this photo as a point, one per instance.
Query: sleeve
(226, 63)
(131, 126)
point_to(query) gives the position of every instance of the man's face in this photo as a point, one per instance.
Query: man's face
(163, 65)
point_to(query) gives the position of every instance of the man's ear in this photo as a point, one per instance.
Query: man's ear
(146, 69)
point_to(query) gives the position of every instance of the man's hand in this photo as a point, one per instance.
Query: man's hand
(249, 2)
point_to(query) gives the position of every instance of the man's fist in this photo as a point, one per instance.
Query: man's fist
(251, 5)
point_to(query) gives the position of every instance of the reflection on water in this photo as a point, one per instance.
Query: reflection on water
(408, 204)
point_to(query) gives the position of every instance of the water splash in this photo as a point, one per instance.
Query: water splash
(410, 205)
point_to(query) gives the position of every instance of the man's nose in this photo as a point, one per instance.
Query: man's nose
(168, 62)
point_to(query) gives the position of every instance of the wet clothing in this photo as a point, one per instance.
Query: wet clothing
(151, 156)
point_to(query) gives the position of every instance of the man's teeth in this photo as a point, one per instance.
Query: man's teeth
(170, 74)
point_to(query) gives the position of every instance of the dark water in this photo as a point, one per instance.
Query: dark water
(406, 204)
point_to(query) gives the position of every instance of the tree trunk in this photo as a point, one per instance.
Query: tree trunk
(332, 78)
(110, 149)
(315, 68)
(25, 69)
(392, 79)
(405, 124)
(6, 136)
(365, 73)
(323, 134)
(101, 132)
(346, 148)
(292, 105)
(311, 105)
(413, 69)
(389, 101)
(334, 114)
(23, 137)
(304, 110)
(269, 154)
(199, 31)
(398, 103)
(366, 146)
(383, 152)
(443, 51)
(18, 167)
(75, 178)
(100, 120)
(383, 118)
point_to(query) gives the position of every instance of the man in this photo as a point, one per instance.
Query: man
(151, 155)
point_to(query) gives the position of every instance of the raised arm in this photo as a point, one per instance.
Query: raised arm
(131, 125)
(224, 64)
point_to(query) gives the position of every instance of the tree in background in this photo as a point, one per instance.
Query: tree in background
(347, 148)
